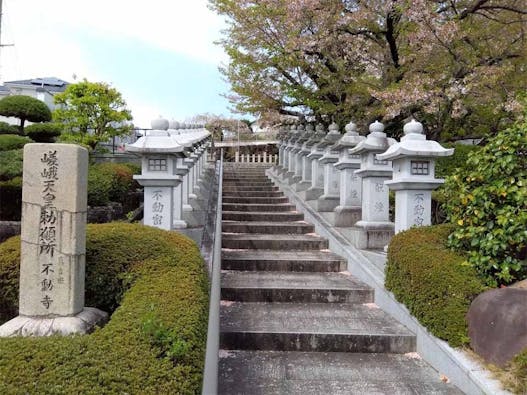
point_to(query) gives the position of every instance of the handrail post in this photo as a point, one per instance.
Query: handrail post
(210, 374)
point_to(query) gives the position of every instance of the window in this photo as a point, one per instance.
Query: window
(157, 165)
(420, 167)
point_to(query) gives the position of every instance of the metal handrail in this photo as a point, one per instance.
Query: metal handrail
(210, 374)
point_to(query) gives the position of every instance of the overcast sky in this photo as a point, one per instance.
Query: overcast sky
(158, 53)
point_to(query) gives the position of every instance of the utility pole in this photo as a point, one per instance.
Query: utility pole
(1, 44)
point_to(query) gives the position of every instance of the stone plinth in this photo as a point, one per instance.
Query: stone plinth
(53, 244)
(413, 176)
(348, 212)
(375, 221)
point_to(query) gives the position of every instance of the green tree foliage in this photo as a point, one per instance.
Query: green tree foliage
(25, 108)
(456, 66)
(487, 200)
(92, 112)
(45, 132)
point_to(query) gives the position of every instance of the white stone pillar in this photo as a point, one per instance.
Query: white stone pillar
(53, 244)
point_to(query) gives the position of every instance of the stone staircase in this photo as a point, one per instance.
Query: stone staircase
(292, 320)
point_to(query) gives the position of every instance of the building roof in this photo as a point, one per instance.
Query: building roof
(51, 84)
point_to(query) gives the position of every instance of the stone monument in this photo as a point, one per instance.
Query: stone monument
(53, 244)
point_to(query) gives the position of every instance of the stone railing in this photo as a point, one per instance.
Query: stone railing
(347, 177)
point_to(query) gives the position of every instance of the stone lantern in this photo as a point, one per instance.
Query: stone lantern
(374, 230)
(301, 137)
(317, 170)
(348, 212)
(305, 162)
(413, 179)
(159, 153)
(291, 163)
(330, 199)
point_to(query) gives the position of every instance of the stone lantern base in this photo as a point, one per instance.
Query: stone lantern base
(371, 235)
(79, 324)
(346, 216)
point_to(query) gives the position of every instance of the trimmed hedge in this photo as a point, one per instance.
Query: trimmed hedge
(159, 281)
(109, 182)
(432, 281)
(13, 141)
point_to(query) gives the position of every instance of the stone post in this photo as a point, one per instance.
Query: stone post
(317, 171)
(305, 163)
(375, 228)
(348, 212)
(330, 199)
(53, 244)
(413, 179)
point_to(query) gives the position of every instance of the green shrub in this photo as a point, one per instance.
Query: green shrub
(11, 197)
(6, 128)
(446, 166)
(432, 281)
(44, 132)
(109, 182)
(162, 282)
(487, 201)
(11, 164)
(12, 141)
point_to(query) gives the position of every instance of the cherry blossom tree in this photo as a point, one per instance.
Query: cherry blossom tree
(456, 65)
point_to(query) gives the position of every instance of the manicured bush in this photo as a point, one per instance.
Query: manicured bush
(432, 281)
(10, 164)
(155, 340)
(12, 141)
(487, 202)
(6, 128)
(44, 132)
(109, 182)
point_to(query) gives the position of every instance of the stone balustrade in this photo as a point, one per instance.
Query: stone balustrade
(347, 178)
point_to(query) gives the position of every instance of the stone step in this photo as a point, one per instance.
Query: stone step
(255, 200)
(243, 188)
(253, 194)
(336, 373)
(294, 287)
(248, 183)
(245, 177)
(263, 216)
(273, 242)
(258, 207)
(335, 327)
(292, 227)
(286, 261)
